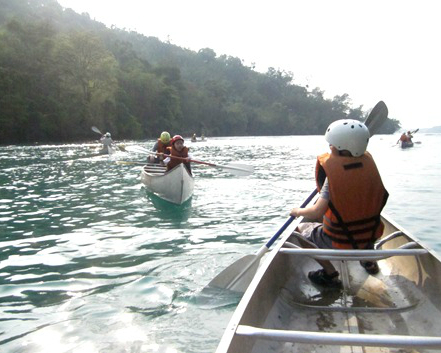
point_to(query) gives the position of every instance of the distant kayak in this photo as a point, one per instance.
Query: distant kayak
(406, 144)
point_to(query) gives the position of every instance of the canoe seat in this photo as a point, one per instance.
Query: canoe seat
(331, 338)
(352, 255)
(153, 169)
(155, 172)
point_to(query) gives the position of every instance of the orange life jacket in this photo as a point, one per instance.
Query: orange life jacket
(174, 152)
(356, 199)
(162, 147)
(403, 138)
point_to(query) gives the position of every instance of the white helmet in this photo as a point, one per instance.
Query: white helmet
(107, 134)
(348, 134)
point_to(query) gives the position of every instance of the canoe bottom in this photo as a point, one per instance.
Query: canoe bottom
(402, 300)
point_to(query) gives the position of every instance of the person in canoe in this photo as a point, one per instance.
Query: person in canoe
(405, 137)
(160, 147)
(179, 150)
(193, 138)
(107, 142)
(352, 196)
(409, 137)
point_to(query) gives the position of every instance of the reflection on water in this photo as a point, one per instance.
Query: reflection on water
(170, 211)
(90, 261)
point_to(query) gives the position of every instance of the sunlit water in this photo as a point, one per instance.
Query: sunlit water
(90, 262)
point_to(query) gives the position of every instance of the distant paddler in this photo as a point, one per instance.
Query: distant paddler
(160, 147)
(107, 142)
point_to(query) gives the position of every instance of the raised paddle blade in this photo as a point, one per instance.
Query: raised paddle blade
(376, 118)
(95, 129)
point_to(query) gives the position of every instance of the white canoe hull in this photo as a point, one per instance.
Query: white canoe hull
(281, 311)
(175, 186)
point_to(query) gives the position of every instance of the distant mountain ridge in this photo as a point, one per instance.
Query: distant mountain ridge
(432, 130)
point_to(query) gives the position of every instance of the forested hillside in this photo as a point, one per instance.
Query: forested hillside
(61, 73)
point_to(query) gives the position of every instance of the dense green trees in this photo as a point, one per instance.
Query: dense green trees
(61, 73)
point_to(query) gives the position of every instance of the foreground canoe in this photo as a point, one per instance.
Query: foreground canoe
(175, 186)
(396, 310)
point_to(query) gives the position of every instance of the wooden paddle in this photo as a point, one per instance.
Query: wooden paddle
(239, 275)
(234, 168)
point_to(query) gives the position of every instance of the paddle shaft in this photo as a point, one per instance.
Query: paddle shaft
(250, 170)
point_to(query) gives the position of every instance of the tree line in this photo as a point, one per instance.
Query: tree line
(61, 73)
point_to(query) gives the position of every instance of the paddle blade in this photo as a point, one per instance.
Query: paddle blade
(238, 169)
(376, 118)
(95, 129)
(138, 149)
(228, 278)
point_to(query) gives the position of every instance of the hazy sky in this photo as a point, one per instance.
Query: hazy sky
(373, 50)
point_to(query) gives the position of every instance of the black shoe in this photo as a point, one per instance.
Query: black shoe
(371, 267)
(321, 278)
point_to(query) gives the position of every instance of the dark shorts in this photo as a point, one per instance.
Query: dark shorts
(313, 232)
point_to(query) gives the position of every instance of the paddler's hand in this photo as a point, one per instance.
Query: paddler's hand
(295, 212)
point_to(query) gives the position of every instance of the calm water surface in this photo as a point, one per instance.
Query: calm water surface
(91, 262)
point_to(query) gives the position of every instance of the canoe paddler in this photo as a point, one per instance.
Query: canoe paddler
(178, 149)
(352, 196)
(160, 147)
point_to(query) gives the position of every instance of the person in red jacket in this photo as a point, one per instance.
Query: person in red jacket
(352, 196)
(179, 150)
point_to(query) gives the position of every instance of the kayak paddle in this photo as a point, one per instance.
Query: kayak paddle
(95, 129)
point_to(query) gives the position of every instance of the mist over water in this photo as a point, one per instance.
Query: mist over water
(91, 262)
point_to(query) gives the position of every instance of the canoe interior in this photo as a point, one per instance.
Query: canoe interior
(403, 299)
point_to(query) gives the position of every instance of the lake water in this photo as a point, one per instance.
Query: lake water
(91, 262)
